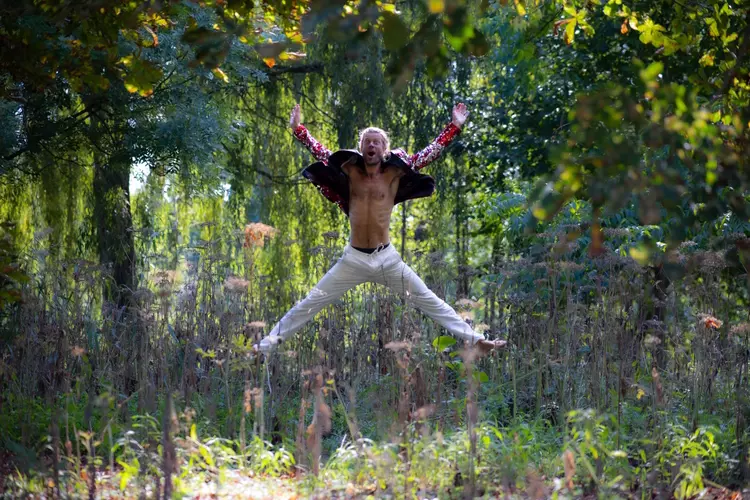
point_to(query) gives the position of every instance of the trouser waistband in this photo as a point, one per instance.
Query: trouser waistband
(371, 250)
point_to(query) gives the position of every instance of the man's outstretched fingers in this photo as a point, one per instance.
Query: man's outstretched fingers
(487, 346)
(294, 119)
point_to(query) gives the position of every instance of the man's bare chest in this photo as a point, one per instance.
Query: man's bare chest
(376, 188)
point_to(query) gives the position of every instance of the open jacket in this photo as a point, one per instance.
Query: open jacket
(327, 175)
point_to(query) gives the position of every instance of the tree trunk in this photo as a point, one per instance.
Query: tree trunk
(114, 225)
(462, 286)
(658, 311)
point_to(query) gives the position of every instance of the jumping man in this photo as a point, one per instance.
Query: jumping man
(366, 184)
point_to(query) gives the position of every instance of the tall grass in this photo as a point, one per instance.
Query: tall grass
(607, 386)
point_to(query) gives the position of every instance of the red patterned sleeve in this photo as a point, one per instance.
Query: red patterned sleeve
(423, 158)
(320, 152)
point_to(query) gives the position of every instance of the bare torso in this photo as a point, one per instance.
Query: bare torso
(371, 200)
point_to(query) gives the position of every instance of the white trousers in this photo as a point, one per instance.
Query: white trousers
(353, 268)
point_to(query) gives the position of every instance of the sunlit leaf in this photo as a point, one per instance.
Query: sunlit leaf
(707, 60)
(218, 73)
(140, 75)
(521, 7)
(444, 342)
(570, 30)
(640, 254)
(436, 6)
(713, 28)
(726, 40)
(206, 454)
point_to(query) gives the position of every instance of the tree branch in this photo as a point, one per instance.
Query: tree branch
(57, 128)
(302, 68)
(744, 49)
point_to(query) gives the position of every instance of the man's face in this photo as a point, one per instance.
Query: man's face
(373, 148)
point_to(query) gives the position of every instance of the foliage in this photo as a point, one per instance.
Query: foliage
(593, 212)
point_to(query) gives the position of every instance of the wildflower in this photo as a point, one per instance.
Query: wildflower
(741, 329)
(481, 327)
(187, 294)
(651, 340)
(687, 246)
(657, 385)
(569, 463)
(142, 294)
(616, 232)
(570, 266)
(77, 351)
(710, 322)
(397, 346)
(466, 315)
(236, 285)
(423, 412)
(710, 262)
(248, 397)
(164, 277)
(467, 304)
(164, 281)
(257, 395)
(256, 233)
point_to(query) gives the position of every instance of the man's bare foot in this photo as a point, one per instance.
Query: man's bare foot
(487, 346)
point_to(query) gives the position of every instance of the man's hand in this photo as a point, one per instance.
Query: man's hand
(294, 119)
(487, 346)
(460, 114)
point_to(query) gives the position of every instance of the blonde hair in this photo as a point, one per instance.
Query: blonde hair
(376, 130)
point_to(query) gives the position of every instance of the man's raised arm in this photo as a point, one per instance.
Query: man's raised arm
(419, 160)
(320, 152)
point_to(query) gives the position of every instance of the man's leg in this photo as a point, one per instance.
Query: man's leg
(342, 277)
(395, 274)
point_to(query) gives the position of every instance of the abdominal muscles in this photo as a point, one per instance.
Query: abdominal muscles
(370, 208)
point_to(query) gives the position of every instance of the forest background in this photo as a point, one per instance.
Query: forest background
(594, 213)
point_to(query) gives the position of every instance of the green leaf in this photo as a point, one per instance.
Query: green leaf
(124, 478)
(707, 60)
(729, 39)
(140, 75)
(521, 7)
(652, 72)
(570, 31)
(206, 455)
(639, 254)
(481, 377)
(218, 73)
(670, 46)
(713, 28)
(444, 342)
(193, 433)
(395, 32)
